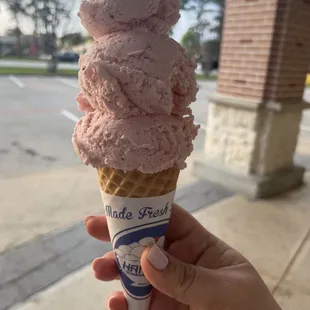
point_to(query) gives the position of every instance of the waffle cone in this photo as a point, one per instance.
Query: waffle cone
(135, 184)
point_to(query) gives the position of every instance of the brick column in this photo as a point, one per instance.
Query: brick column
(255, 115)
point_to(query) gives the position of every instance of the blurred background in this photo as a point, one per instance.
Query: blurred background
(45, 191)
(37, 30)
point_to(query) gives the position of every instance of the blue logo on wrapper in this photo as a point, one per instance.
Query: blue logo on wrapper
(128, 250)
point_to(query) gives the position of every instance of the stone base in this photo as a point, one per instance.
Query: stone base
(253, 187)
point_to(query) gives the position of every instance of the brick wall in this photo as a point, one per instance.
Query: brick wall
(270, 59)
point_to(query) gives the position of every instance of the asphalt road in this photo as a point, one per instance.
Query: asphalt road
(34, 133)
(37, 117)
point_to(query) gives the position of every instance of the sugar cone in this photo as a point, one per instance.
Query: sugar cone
(138, 209)
(135, 184)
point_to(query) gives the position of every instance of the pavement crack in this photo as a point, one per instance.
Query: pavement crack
(292, 261)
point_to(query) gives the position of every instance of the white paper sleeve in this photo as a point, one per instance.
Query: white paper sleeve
(134, 224)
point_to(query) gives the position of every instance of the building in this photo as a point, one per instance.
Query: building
(255, 114)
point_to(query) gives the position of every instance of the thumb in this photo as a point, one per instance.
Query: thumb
(172, 277)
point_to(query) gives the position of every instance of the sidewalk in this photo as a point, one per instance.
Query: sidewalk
(31, 267)
(273, 234)
(35, 205)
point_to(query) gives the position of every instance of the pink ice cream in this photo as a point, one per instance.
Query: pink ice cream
(137, 85)
(147, 143)
(100, 17)
(137, 73)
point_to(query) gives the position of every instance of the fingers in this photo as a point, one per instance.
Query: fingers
(181, 224)
(97, 227)
(186, 283)
(202, 247)
(117, 302)
(105, 268)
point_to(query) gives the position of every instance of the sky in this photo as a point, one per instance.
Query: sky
(6, 22)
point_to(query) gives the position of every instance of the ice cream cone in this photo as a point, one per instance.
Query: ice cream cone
(138, 209)
(135, 184)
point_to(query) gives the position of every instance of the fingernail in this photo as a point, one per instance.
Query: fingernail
(97, 263)
(109, 303)
(157, 258)
(88, 218)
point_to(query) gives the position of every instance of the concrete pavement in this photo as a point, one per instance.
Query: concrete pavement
(44, 187)
(273, 234)
(34, 205)
(41, 245)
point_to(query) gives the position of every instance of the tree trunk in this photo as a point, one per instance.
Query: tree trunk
(19, 51)
(18, 35)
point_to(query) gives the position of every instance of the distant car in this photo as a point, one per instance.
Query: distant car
(67, 57)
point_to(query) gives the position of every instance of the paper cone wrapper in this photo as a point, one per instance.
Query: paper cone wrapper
(138, 209)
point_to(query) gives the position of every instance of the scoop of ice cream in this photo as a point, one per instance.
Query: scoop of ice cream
(100, 17)
(137, 73)
(146, 143)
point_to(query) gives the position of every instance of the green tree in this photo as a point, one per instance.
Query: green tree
(72, 39)
(209, 49)
(201, 8)
(191, 43)
(17, 9)
(217, 28)
(32, 11)
(50, 18)
(52, 13)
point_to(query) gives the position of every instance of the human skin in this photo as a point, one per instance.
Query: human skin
(197, 271)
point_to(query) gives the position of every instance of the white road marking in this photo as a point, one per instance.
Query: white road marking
(68, 82)
(16, 81)
(70, 115)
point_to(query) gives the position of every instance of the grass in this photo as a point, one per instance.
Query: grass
(66, 72)
(72, 72)
(201, 77)
(37, 71)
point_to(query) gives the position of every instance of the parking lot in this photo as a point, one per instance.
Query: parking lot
(46, 191)
(37, 117)
(36, 124)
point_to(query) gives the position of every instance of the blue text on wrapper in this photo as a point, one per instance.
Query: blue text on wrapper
(144, 212)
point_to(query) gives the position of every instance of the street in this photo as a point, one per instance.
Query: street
(37, 117)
